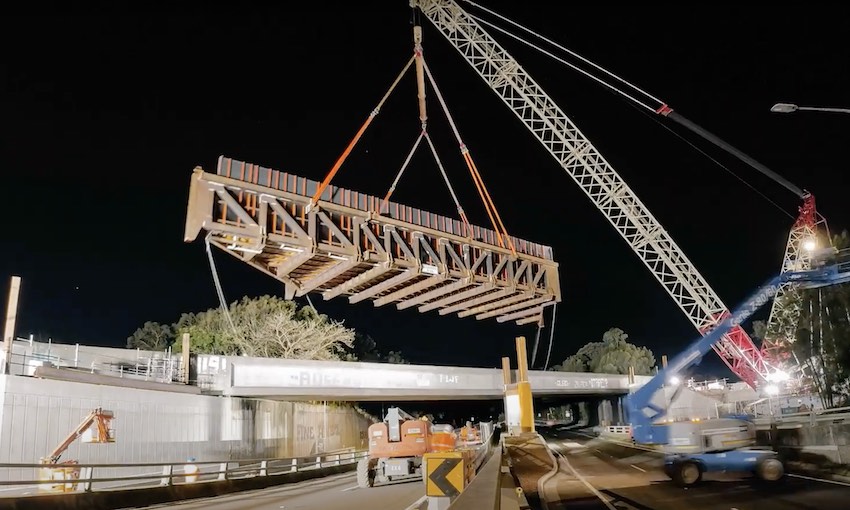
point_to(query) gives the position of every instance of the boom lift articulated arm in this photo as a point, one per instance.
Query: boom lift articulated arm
(643, 414)
(99, 418)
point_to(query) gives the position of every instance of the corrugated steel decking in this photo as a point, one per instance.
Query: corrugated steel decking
(406, 256)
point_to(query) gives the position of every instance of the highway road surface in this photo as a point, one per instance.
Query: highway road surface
(593, 475)
(597, 474)
(339, 492)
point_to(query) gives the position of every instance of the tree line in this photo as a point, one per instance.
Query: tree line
(613, 355)
(265, 326)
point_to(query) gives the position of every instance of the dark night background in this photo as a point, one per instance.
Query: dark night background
(105, 114)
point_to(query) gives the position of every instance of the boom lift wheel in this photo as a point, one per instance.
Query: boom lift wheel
(686, 473)
(770, 470)
(365, 474)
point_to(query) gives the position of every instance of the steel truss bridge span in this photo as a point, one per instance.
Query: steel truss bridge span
(342, 246)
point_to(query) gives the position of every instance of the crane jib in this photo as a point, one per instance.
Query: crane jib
(579, 158)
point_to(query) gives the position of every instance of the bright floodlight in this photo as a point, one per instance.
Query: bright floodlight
(778, 376)
(771, 389)
(784, 108)
(809, 245)
(674, 380)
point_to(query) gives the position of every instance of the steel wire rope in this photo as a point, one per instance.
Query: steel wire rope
(489, 205)
(217, 282)
(551, 337)
(324, 184)
(400, 172)
(612, 88)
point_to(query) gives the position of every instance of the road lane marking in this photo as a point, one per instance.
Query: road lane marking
(591, 488)
(824, 480)
(351, 488)
(417, 505)
(639, 469)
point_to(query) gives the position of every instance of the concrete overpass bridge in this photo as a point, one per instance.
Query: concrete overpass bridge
(280, 379)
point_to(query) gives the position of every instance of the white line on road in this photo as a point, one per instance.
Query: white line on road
(845, 484)
(418, 504)
(591, 488)
(639, 469)
(573, 444)
(351, 488)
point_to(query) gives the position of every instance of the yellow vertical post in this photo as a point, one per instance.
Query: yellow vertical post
(526, 405)
(663, 361)
(506, 370)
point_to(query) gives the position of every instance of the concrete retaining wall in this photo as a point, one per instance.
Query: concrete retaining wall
(823, 442)
(161, 426)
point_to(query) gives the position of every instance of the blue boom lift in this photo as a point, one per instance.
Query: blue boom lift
(721, 444)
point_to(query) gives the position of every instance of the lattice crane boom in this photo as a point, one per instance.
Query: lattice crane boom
(600, 182)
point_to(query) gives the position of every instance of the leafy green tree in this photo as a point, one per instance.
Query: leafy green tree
(152, 336)
(365, 348)
(396, 357)
(823, 337)
(613, 355)
(207, 333)
(266, 326)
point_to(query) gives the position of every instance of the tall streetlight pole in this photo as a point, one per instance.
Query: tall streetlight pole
(791, 108)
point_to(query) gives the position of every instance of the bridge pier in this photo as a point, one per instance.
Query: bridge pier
(610, 411)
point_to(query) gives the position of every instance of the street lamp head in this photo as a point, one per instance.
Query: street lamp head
(784, 108)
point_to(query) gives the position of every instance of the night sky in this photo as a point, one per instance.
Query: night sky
(105, 114)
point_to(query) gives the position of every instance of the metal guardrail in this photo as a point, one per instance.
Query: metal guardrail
(618, 429)
(810, 417)
(157, 366)
(82, 477)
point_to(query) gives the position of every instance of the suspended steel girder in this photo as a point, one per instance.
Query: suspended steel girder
(342, 246)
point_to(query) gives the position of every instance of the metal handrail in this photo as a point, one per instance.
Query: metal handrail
(244, 468)
(813, 413)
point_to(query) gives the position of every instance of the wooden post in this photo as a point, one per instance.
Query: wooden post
(663, 361)
(185, 354)
(526, 404)
(521, 359)
(11, 317)
(506, 370)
